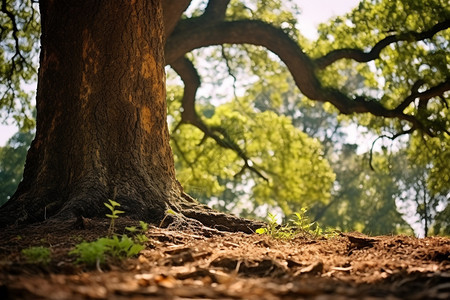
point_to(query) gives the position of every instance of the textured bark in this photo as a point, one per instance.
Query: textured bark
(101, 122)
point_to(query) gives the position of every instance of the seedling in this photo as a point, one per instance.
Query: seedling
(113, 215)
(139, 233)
(95, 253)
(275, 230)
(301, 222)
(168, 212)
(299, 225)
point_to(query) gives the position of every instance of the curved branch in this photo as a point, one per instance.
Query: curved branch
(435, 91)
(392, 138)
(299, 64)
(191, 80)
(227, 143)
(361, 56)
(17, 60)
(15, 30)
(172, 11)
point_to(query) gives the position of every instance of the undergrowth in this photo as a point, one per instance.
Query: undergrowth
(112, 247)
(299, 225)
(37, 255)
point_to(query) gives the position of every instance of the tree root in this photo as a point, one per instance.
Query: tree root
(189, 215)
(196, 214)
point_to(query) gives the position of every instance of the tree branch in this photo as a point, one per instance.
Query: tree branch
(15, 30)
(15, 66)
(191, 80)
(392, 138)
(361, 56)
(172, 11)
(215, 11)
(435, 91)
(299, 64)
(188, 74)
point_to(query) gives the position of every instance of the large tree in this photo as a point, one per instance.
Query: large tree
(101, 107)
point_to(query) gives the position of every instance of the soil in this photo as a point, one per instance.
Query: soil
(185, 264)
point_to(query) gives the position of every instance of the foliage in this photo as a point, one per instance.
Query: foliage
(441, 224)
(19, 49)
(297, 226)
(37, 255)
(421, 189)
(96, 252)
(12, 160)
(362, 199)
(400, 66)
(296, 171)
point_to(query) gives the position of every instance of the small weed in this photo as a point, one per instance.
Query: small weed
(90, 253)
(168, 212)
(274, 229)
(96, 252)
(298, 226)
(37, 255)
(139, 233)
(113, 215)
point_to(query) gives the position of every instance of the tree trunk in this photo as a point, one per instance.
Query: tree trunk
(101, 122)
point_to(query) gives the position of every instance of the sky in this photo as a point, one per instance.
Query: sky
(314, 12)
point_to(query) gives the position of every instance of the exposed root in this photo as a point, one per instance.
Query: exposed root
(189, 215)
(200, 216)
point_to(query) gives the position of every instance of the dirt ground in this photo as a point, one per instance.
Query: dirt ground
(181, 264)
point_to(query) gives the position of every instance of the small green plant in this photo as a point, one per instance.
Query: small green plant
(302, 224)
(274, 229)
(95, 253)
(139, 233)
(113, 215)
(297, 226)
(90, 253)
(168, 212)
(37, 255)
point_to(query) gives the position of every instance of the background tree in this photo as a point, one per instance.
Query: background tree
(320, 70)
(12, 160)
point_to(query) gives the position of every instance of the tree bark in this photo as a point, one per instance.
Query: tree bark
(101, 121)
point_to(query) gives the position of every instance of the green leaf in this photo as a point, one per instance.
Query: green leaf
(143, 225)
(109, 206)
(114, 203)
(261, 231)
(135, 249)
(170, 212)
(131, 228)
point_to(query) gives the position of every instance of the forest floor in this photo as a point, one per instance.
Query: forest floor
(180, 264)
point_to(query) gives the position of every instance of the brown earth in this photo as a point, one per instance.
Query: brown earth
(183, 264)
